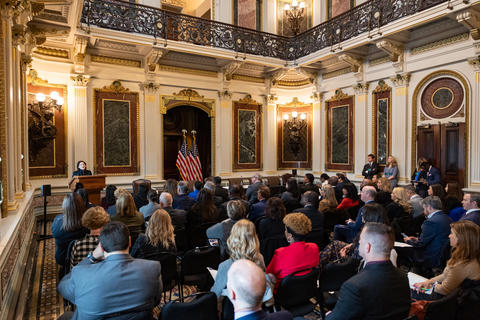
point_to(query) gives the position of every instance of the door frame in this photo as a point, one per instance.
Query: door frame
(191, 98)
(418, 91)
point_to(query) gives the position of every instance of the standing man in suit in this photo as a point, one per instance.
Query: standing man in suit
(471, 202)
(110, 282)
(219, 190)
(433, 175)
(434, 236)
(246, 286)
(253, 188)
(370, 168)
(379, 290)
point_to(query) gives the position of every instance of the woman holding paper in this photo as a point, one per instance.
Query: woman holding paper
(463, 264)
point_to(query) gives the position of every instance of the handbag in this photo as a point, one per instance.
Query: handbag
(419, 308)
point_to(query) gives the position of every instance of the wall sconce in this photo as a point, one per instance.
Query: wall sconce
(294, 126)
(51, 101)
(295, 14)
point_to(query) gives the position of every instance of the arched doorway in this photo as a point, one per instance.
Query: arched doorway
(440, 106)
(190, 118)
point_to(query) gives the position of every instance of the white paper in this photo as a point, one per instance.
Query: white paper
(401, 244)
(213, 273)
(415, 278)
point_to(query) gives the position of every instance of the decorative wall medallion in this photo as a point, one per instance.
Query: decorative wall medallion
(442, 98)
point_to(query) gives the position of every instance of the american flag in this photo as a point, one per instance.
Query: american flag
(183, 162)
(194, 160)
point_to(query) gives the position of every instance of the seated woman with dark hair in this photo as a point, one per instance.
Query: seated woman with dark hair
(272, 224)
(463, 264)
(453, 201)
(291, 197)
(299, 255)
(158, 238)
(204, 210)
(84, 194)
(339, 250)
(350, 197)
(109, 199)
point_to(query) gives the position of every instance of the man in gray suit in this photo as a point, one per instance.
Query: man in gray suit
(110, 283)
(415, 201)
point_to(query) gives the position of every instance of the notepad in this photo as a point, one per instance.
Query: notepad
(401, 244)
(415, 278)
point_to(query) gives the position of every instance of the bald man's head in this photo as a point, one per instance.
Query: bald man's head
(246, 281)
(166, 199)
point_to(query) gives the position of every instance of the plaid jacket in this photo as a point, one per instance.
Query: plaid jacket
(81, 248)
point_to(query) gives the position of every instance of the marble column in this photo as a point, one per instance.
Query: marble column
(269, 139)
(25, 65)
(317, 143)
(225, 139)
(80, 125)
(153, 132)
(362, 125)
(473, 181)
(402, 126)
(4, 49)
(17, 100)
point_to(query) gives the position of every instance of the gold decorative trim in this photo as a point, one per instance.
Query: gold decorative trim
(247, 78)
(115, 87)
(117, 61)
(440, 43)
(339, 95)
(416, 92)
(248, 100)
(382, 87)
(378, 61)
(190, 93)
(336, 73)
(197, 72)
(13, 205)
(295, 103)
(294, 83)
(19, 195)
(52, 52)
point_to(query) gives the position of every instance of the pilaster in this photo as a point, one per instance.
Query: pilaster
(81, 148)
(317, 133)
(153, 131)
(25, 66)
(401, 124)
(474, 134)
(362, 127)
(224, 124)
(269, 138)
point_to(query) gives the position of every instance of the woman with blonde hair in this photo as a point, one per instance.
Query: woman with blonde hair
(391, 170)
(242, 243)
(127, 211)
(158, 238)
(171, 187)
(463, 264)
(328, 206)
(399, 207)
(384, 193)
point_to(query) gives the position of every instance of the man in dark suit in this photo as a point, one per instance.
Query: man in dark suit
(235, 193)
(257, 210)
(109, 281)
(308, 184)
(370, 168)
(434, 236)
(219, 190)
(471, 202)
(433, 176)
(310, 209)
(246, 286)
(379, 290)
(179, 217)
(182, 201)
(252, 189)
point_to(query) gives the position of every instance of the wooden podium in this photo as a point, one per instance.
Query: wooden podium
(93, 185)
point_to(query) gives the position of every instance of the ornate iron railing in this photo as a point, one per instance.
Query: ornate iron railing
(161, 24)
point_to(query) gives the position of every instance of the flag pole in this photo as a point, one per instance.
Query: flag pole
(184, 144)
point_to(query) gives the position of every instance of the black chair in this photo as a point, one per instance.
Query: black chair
(331, 279)
(68, 256)
(193, 267)
(198, 235)
(444, 308)
(202, 307)
(269, 245)
(468, 300)
(296, 290)
(168, 262)
(181, 240)
(135, 231)
(352, 212)
(316, 236)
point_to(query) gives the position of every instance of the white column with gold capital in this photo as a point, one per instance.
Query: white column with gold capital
(362, 123)
(473, 181)
(402, 126)
(80, 147)
(225, 139)
(317, 143)
(270, 135)
(153, 129)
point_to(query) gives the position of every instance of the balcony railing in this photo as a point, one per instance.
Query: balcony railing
(161, 24)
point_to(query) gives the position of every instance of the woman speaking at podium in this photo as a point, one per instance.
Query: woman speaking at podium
(82, 169)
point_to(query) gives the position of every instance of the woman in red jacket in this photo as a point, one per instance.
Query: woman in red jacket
(350, 197)
(299, 255)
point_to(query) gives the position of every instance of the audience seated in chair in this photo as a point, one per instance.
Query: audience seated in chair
(221, 231)
(182, 201)
(93, 219)
(384, 193)
(308, 184)
(197, 186)
(291, 197)
(128, 214)
(217, 200)
(328, 206)
(109, 199)
(299, 255)
(471, 203)
(252, 190)
(271, 230)
(127, 286)
(179, 217)
(140, 198)
(235, 192)
(350, 197)
(415, 201)
(158, 238)
(463, 264)
(257, 210)
(219, 190)
(310, 209)
(246, 288)
(152, 206)
(379, 290)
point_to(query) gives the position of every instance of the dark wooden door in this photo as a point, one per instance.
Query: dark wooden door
(189, 118)
(444, 146)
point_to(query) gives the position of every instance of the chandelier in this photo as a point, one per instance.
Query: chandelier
(295, 15)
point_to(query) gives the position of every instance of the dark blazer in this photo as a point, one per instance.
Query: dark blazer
(394, 210)
(122, 282)
(183, 202)
(434, 237)
(290, 201)
(79, 172)
(433, 176)
(309, 187)
(252, 191)
(369, 170)
(379, 291)
(179, 217)
(473, 216)
(315, 216)
(262, 315)
(269, 228)
(221, 192)
(257, 210)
